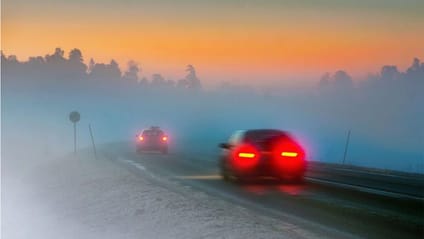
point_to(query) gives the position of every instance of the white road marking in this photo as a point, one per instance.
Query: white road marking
(137, 165)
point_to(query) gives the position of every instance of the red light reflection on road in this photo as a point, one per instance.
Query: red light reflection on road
(289, 189)
(257, 189)
(294, 189)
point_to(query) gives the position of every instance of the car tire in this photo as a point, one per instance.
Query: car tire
(224, 174)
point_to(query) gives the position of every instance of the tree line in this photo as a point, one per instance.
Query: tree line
(55, 71)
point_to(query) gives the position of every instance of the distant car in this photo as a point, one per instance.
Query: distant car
(152, 139)
(262, 153)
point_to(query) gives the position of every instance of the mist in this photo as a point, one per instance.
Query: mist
(384, 113)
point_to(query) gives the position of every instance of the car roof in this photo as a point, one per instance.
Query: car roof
(263, 132)
(149, 132)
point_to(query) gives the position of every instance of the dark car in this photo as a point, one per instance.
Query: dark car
(262, 153)
(152, 139)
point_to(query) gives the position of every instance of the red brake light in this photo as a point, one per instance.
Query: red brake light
(140, 138)
(164, 138)
(289, 156)
(288, 148)
(245, 157)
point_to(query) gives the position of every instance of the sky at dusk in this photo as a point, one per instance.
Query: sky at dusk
(235, 40)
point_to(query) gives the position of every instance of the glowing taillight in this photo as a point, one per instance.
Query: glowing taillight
(287, 148)
(289, 157)
(140, 138)
(246, 155)
(164, 138)
(289, 154)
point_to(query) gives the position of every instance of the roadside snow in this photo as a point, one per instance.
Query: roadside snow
(87, 198)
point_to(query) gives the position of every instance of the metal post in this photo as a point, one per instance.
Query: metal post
(346, 147)
(74, 117)
(75, 138)
(92, 141)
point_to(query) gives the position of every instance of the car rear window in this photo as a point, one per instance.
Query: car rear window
(152, 133)
(265, 138)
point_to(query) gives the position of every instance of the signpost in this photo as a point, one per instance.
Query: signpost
(74, 117)
(92, 141)
(346, 146)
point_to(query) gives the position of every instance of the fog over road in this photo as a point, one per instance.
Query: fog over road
(80, 197)
(123, 194)
(85, 82)
(315, 205)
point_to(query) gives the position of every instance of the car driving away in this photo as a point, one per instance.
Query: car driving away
(262, 153)
(152, 139)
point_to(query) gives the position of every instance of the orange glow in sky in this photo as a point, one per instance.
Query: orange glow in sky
(222, 40)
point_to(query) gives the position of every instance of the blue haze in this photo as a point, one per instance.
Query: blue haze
(385, 113)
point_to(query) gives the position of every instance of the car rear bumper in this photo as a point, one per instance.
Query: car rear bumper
(268, 170)
(146, 147)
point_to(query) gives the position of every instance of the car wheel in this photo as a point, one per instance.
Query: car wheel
(224, 173)
(225, 176)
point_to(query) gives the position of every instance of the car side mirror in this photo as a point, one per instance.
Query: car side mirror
(224, 146)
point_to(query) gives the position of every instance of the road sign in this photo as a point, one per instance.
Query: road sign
(74, 116)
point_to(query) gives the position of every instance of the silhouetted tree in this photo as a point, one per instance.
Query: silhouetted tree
(325, 80)
(57, 57)
(56, 69)
(144, 81)
(12, 59)
(36, 68)
(75, 56)
(170, 83)
(108, 73)
(11, 72)
(132, 72)
(372, 81)
(416, 71)
(338, 82)
(115, 68)
(191, 77)
(182, 84)
(91, 65)
(342, 80)
(158, 80)
(36, 61)
(390, 73)
(76, 67)
(415, 65)
(3, 57)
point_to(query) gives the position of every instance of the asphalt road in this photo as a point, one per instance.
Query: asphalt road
(390, 183)
(337, 202)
